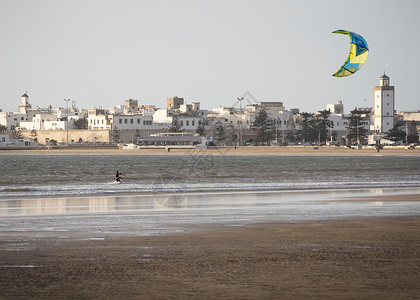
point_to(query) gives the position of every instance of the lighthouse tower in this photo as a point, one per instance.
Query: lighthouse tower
(384, 105)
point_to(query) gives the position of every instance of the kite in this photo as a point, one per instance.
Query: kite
(358, 54)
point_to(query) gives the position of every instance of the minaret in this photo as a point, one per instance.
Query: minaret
(24, 105)
(384, 105)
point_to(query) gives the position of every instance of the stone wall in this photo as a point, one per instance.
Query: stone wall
(82, 135)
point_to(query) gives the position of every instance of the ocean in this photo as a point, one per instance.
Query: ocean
(84, 175)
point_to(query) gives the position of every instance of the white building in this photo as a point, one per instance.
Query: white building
(189, 115)
(4, 140)
(38, 121)
(230, 116)
(132, 122)
(162, 116)
(101, 119)
(384, 105)
(98, 118)
(12, 120)
(336, 108)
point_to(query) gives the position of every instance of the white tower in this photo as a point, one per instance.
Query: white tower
(24, 105)
(384, 105)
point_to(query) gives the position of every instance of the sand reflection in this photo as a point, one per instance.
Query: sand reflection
(198, 201)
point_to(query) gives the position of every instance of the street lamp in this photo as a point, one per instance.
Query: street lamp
(240, 122)
(67, 119)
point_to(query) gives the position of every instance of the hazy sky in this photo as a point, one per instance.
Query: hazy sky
(100, 53)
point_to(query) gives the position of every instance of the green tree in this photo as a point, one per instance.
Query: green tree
(115, 135)
(17, 134)
(219, 132)
(356, 132)
(322, 125)
(137, 134)
(81, 123)
(264, 127)
(292, 136)
(176, 125)
(34, 135)
(200, 130)
(395, 134)
(412, 134)
(308, 132)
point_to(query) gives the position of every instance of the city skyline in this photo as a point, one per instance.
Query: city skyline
(101, 53)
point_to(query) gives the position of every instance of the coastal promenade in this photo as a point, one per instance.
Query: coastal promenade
(248, 150)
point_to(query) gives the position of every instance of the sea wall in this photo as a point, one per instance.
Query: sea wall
(74, 136)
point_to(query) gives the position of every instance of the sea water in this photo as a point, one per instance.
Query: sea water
(84, 175)
(67, 197)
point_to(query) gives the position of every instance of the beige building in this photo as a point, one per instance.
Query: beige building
(175, 102)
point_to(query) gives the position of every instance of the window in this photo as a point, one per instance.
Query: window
(182, 123)
(22, 118)
(138, 121)
(120, 121)
(338, 124)
(193, 123)
(131, 121)
(188, 123)
(125, 121)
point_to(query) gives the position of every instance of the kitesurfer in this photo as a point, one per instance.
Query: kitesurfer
(117, 176)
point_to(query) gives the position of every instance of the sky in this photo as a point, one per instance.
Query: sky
(100, 53)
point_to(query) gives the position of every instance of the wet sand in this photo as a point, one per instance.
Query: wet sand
(376, 257)
(360, 258)
(334, 258)
(288, 150)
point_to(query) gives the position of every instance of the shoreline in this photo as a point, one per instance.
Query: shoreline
(249, 150)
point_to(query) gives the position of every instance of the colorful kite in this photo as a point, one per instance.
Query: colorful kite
(358, 54)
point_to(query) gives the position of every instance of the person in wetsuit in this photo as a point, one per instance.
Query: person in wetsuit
(118, 176)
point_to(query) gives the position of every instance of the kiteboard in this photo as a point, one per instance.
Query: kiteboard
(115, 182)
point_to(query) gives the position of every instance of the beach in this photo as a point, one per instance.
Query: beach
(323, 234)
(361, 258)
(249, 150)
(354, 245)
